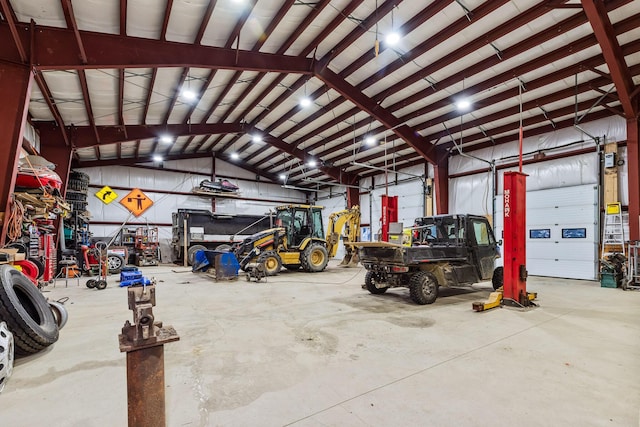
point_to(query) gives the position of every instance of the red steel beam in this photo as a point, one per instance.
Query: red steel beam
(165, 21)
(205, 21)
(123, 17)
(422, 146)
(612, 52)
(83, 136)
(70, 18)
(53, 52)
(7, 11)
(15, 86)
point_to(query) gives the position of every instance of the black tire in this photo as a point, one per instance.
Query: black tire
(91, 283)
(191, 253)
(423, 288)
(271, 261)
(60, 313)
(115, 263)
(26, 312)
(497, 280)
(101, 284)
(370, 280)
(314, 258)
(292, 267)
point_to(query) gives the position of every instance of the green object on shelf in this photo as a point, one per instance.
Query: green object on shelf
(608, 280)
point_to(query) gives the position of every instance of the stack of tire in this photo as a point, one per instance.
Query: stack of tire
(77, 190)
(33, 321)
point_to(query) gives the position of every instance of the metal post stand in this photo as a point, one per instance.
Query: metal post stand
(143, 341)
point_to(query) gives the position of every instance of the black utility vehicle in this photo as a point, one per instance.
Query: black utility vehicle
(443, 250)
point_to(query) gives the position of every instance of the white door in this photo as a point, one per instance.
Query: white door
(562, 231)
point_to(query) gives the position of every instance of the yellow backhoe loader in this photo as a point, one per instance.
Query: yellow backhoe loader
(298, 241)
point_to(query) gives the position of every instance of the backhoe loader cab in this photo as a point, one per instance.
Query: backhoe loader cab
(301, 222)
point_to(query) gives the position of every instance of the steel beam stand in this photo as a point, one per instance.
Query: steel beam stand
(143, 341)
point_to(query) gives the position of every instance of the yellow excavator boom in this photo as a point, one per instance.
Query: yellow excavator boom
(345, 223)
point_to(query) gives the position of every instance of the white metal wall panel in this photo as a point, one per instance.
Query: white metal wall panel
(555, 209)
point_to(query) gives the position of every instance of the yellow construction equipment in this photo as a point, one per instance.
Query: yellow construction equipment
(298, 240)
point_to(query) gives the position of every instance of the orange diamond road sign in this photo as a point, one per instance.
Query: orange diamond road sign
(137, 202)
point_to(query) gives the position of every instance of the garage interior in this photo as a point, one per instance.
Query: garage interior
(147, 139)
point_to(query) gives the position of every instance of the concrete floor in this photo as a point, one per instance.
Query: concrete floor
(317, 350)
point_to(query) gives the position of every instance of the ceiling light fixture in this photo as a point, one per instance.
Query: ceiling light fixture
(235, 156)
(463, 105)
(256, 139)
(157, 158)
(305, 102)
(312, 163)
(283, 176)
(392, 39)
(189, 95)
(166, 139)
(370, 140)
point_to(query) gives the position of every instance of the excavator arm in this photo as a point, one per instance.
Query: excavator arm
(345, 223)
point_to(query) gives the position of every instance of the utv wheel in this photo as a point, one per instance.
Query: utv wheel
(370, 280)
(271, 261)
(498, 278)
(423, 288)
(314, 258)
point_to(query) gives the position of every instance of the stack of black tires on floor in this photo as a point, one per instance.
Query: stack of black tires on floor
(28, 322)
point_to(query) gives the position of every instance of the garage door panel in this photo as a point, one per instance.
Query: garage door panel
(562, 268)
(555, 209)
(552, 250)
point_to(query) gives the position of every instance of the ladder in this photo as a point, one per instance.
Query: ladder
(613, 231)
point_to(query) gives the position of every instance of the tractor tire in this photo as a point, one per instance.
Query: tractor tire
(191, 253)
(314, 258)
(292, 267)
(423, 288)
(26, 312)
(59, 312)
(370, 280)
(497, 280)
(271, 261)
(115, 263)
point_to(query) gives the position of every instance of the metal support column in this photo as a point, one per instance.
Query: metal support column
(441, 177)
(143, 341)
(633, 159)
(353, 196)
(15, 87)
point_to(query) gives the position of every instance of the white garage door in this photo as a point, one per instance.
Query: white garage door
(562, 231)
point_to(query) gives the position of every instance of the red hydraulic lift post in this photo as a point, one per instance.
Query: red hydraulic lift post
(15, 87)
(389, 214)
(515, 251)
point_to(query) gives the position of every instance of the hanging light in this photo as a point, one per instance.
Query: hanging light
(312, 163)
(235, 156)
(157, 158)
(256, 139)
(166, 139)
(370, 140)
(463, 104)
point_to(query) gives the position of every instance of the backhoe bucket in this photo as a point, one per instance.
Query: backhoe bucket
(350, 260)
